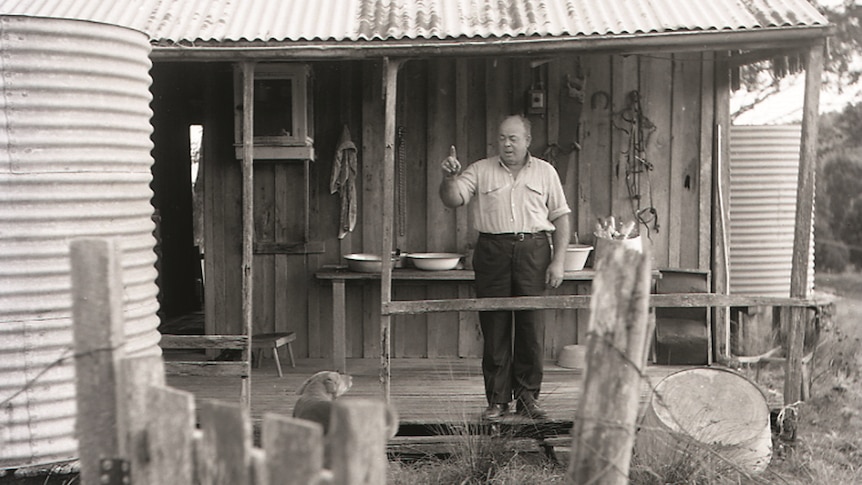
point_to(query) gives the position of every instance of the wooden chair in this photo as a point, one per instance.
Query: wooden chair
(272, 341)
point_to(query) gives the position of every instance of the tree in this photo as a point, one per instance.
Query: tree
(838, 218)
(851, 232)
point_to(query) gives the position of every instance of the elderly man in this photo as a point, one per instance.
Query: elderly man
(518, 206)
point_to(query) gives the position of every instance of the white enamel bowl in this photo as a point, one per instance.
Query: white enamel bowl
(364, 263)
(434, 261)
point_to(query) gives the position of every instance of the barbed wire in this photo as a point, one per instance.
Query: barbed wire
(66, 355)
(709, 449)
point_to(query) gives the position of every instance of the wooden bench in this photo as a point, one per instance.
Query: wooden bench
(272, 341)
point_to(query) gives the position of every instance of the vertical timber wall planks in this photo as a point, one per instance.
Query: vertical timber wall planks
(408, 331)
(656, 98)
(365, 341)
(222, 200)
(704, 186)
(625, 78)
(469, 333)
(443, 102)
(442, 328)
(684, 161)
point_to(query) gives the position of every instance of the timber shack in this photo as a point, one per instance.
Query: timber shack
(629, 100)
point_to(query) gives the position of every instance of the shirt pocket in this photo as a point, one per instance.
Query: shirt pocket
(536, 199)
(494, 191)
(494, 200)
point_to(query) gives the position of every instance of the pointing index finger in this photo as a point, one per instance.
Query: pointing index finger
(452, 152)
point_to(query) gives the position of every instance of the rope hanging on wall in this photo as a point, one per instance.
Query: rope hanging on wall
(638, 128)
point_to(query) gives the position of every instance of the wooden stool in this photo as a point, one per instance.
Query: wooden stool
(272, 341)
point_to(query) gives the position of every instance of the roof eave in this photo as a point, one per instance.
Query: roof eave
(779, 37)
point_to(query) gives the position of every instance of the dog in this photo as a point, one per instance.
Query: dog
(317, 394)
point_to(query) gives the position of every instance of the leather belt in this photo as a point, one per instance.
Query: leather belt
(515, 236)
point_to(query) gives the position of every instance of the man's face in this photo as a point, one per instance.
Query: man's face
(513, 141)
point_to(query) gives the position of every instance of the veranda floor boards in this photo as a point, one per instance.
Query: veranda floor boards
(425, 391)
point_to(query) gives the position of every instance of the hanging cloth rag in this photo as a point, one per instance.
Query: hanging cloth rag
(343, 181)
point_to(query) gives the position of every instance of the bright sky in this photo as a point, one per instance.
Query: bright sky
(786, 105)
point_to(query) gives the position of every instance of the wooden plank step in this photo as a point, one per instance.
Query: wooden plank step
(450, 444)
(557, 441)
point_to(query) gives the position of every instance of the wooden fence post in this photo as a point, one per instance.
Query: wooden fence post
(223, 456)
(618, 340)
(140, 373)
(97, 316)
(294, 450)
(169, 443)
(357, 442)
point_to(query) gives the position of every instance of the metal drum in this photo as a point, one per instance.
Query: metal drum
(74, 162)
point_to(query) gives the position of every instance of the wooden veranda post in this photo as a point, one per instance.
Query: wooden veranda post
(618, 341)
(247, 216)
(390, 84)
(802, 229)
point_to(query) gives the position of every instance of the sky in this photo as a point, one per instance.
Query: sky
(786, 105)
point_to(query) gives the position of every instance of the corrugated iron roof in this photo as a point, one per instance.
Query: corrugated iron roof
(189, 21)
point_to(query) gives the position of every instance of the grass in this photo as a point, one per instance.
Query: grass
(479, 459)
(827, 448)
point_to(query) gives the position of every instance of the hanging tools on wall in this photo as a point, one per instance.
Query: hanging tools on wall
(575, 95)
(638, 128)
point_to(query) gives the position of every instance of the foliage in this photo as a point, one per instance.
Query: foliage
(831, 255)
(842, 181)
(838, 218)
(838, 227)
(851, 232)
(846, 41)
(842, 66)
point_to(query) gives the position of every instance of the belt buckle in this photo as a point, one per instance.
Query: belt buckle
(521, 237)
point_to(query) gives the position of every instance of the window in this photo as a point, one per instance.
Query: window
(283, 125)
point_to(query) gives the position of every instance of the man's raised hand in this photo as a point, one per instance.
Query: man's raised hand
(451, 165)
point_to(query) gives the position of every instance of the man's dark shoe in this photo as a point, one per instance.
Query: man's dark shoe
(495, 411)
(530, 409)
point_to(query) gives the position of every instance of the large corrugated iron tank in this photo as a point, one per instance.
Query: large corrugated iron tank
(74, 162)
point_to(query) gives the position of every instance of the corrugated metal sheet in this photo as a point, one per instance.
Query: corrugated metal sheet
(188, 21)
(764, 169)
(75, 162)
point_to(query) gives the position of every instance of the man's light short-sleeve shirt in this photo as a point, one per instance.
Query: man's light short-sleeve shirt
(504, 203)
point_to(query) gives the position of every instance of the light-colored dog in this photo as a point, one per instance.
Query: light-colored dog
(316, 395)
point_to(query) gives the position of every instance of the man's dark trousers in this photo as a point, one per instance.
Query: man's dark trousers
(512, 265)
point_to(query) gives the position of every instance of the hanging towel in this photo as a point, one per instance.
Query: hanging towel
(343, 181)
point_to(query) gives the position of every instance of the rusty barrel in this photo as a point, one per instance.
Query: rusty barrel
(706, 416)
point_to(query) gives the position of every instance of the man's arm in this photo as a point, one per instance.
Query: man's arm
(449, 193)
(562, 232)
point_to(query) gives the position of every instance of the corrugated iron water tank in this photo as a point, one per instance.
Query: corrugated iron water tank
(74, 162)
(764, 172)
